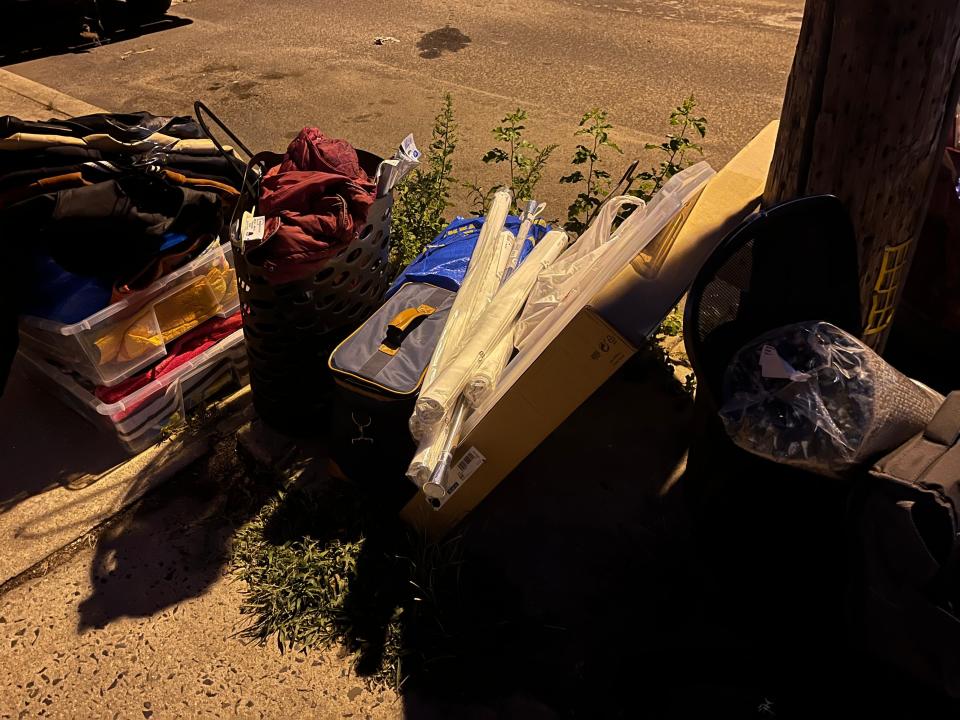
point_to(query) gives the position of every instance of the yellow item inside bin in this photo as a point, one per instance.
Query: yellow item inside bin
(174, 315)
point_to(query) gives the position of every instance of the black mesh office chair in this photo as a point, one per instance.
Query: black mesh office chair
(794, 262)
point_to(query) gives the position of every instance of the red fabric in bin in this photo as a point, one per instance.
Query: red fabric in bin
(314, 201)
(185, 348)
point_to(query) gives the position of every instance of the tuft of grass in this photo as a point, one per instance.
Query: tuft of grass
(321, 569)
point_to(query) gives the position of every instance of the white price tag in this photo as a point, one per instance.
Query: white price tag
(252, 227)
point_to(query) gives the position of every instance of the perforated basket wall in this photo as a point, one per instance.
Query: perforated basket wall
(291, 328)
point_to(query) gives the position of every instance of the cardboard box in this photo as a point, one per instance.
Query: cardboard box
(596, 342)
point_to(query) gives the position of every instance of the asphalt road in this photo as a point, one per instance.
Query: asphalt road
(270, 68)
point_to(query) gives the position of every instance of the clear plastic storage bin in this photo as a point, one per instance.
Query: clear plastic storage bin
(130, 335)
(140, 419)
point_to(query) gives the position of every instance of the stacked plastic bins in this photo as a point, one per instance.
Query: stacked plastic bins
(107, 366)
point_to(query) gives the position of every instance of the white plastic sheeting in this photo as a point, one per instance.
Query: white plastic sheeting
(479, 285)
(432, 443)
(629, 240)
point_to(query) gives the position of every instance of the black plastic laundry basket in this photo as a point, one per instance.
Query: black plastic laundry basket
(291, 328)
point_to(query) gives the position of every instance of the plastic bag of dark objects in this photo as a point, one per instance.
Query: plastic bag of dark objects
(814, 396)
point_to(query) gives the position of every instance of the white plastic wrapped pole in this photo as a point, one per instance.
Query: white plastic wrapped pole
(530, 214)
(432, 442)
(479, 282)
(482, 383)
(428, 452)
(440, 396)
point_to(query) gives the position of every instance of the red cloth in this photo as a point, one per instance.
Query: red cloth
(184, 348)
(315, 201)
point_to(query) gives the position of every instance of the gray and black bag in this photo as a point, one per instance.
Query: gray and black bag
(378, 372)
(906, 599)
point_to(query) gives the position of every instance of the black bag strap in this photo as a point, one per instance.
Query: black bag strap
(402, 324)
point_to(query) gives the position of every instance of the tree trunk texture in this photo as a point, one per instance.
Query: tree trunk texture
(870, 94)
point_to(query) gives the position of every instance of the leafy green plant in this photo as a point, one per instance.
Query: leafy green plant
(676, 147)
(595, 127)
(421, 199)
(525, 161)
(672, 324)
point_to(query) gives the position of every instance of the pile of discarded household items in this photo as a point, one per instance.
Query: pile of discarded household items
(161, 269)
(125, 294)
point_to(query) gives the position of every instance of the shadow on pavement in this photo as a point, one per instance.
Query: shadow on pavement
(574, 556)
(600, 580)
(173, 544)
(605, 580)
(523, 615)
(42, 39)
(44, 444)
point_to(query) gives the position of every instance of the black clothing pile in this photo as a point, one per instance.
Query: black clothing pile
(103, 205)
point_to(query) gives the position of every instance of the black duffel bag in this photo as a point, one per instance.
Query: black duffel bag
(378, 371)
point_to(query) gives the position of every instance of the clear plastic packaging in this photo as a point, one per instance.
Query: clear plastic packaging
(574, 268)
(814, 396)
(140, 419)
(122, 339)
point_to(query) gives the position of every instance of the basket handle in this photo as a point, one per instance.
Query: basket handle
(199, 110)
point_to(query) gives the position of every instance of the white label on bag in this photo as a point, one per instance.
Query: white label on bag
(252, 227)
(774, 366)
(470, 462)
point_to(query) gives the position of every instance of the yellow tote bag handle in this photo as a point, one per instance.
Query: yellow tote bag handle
(398, 328)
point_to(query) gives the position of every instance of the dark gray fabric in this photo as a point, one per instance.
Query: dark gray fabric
(909, 554)
(945, 426)
(360, 359)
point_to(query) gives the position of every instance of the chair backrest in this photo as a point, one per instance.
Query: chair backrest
(794, 262)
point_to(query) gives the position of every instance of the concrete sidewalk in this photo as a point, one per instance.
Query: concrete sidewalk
(141, 622)
(29, 100)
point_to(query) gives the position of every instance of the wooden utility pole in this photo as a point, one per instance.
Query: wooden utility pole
(871, 90)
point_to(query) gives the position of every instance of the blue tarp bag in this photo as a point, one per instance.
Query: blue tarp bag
(444, 261)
